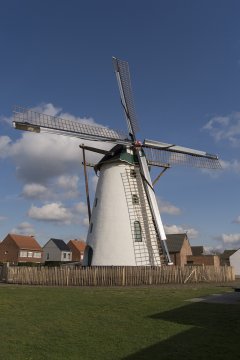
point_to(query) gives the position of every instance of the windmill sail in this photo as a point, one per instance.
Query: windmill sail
(124, 82)
(159, 153)
(25, 119)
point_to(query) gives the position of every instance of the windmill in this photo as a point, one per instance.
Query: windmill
(125, 223)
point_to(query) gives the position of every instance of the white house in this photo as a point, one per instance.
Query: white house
(56, 250)
(235, 262)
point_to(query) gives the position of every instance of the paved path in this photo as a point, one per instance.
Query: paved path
(226, 298)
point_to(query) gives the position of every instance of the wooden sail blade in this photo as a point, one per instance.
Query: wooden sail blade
(124, 82)
(29, 120)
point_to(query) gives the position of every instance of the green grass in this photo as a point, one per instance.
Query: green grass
(116, 323)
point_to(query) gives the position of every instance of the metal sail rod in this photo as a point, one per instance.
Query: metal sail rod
(97, 150)
(159, 175)
(152, 202)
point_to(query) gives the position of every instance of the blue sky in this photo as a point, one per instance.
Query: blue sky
(184, 59)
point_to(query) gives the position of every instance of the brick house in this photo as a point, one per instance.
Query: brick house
(198, 257)
(179, 248)
(20, 248)
(77, 247)
(203, 260)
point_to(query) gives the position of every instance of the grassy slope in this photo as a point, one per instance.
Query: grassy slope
(115, 323)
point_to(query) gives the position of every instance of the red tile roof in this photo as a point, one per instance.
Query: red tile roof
(78, 244)
(25, 242)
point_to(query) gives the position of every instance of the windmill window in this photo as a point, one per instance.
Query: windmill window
(133, 173)
(137, 231)
(135, 199)
(91, 227)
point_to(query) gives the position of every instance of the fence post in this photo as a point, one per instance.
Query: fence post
(123, 276)
(5, 272)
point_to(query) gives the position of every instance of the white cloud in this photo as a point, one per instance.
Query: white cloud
(180, 229)
(237, 220)
(168, 208)
(81, 208)
(68, 182)
(62, 187)
(40, 157)
(233, 165)
(51, 212)
(225, 128)
(24, 228)
(57, 212)
(212, 250)
(229, 239)
(35, 191)
(5, 142)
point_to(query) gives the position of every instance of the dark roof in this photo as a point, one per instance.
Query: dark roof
(175, 242)
(226, 254)
(60, 244)
(197, 250)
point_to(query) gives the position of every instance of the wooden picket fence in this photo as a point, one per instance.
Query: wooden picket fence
(117, 275)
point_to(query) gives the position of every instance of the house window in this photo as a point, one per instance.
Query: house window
(64, 255)
(96, 201)
(30, 254)
(37, 255)
(23, 254)
(48, 256)
(68, 256)
(133, 173)
(135, 199)
(137, 231)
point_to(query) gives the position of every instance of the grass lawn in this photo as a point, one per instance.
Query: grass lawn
(116, 323)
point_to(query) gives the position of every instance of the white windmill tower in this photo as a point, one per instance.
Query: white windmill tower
(125, 225)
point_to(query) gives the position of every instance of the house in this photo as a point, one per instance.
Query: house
(199, 258)
(203, 260)
(56, 250)
(77, 247)
(20, 248)
(179, 248)
(225, 257)
(234, 260)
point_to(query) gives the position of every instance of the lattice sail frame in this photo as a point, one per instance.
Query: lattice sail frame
(124, 82)
(26, 117)
(157, 157)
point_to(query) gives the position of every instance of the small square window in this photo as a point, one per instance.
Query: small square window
(135, 199)
(133, 173)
